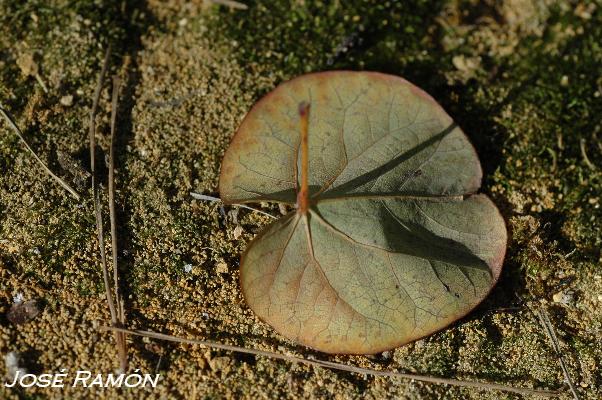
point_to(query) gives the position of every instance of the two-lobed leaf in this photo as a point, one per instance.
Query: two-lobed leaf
(395, 245)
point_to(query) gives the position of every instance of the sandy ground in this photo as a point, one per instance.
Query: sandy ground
(517, 75)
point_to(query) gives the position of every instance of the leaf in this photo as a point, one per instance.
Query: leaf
(391, 243)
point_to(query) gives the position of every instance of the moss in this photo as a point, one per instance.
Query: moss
(299, 37)
(521, 77)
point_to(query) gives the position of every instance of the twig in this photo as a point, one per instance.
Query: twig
(15, 128)
(544, 320)
(552, 153)
(118, 296)
(586, 159)
(339, 366)
(41, 82)
(230, 3)
(204, 197)
(567, 255)
(96, 195)
(97, 210)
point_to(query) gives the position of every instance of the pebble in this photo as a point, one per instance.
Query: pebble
(222, 267)
(564, 81)
(23, 311)
(565, 298)
(220, 364)
(67, 101)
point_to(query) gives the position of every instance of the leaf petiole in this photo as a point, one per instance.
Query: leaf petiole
(303, 193)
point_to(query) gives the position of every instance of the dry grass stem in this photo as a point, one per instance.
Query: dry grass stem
(339, 366)
(545, 322)
(16, 129)
(114, 249)
(586, 159)
(97, 206)
(205, 197)
(230, 3)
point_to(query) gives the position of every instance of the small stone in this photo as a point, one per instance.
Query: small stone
(565, 298)
(222, 267)
(27, 65)
(220, 364)
(67, 101)
(462, 63)
(12, 361)
(238, 232)
(188, 268)
(23, 312)
(18, 298)
(564, 81)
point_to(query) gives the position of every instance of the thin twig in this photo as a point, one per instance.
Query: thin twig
(118, 296)
(586, 159)
(41, 82)
(544, 320)
(103, 257)
(96, 195)
(339, 366)
(16, 129)
(205, 197)
(112, 189)
(97, 210)
(230, 3)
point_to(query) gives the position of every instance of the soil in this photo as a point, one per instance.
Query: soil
(521, 77)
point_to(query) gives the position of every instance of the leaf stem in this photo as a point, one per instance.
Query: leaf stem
(303, 193)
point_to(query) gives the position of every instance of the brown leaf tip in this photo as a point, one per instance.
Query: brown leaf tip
(303, 109)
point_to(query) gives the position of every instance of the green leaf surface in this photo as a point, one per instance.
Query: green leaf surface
(395, 245)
